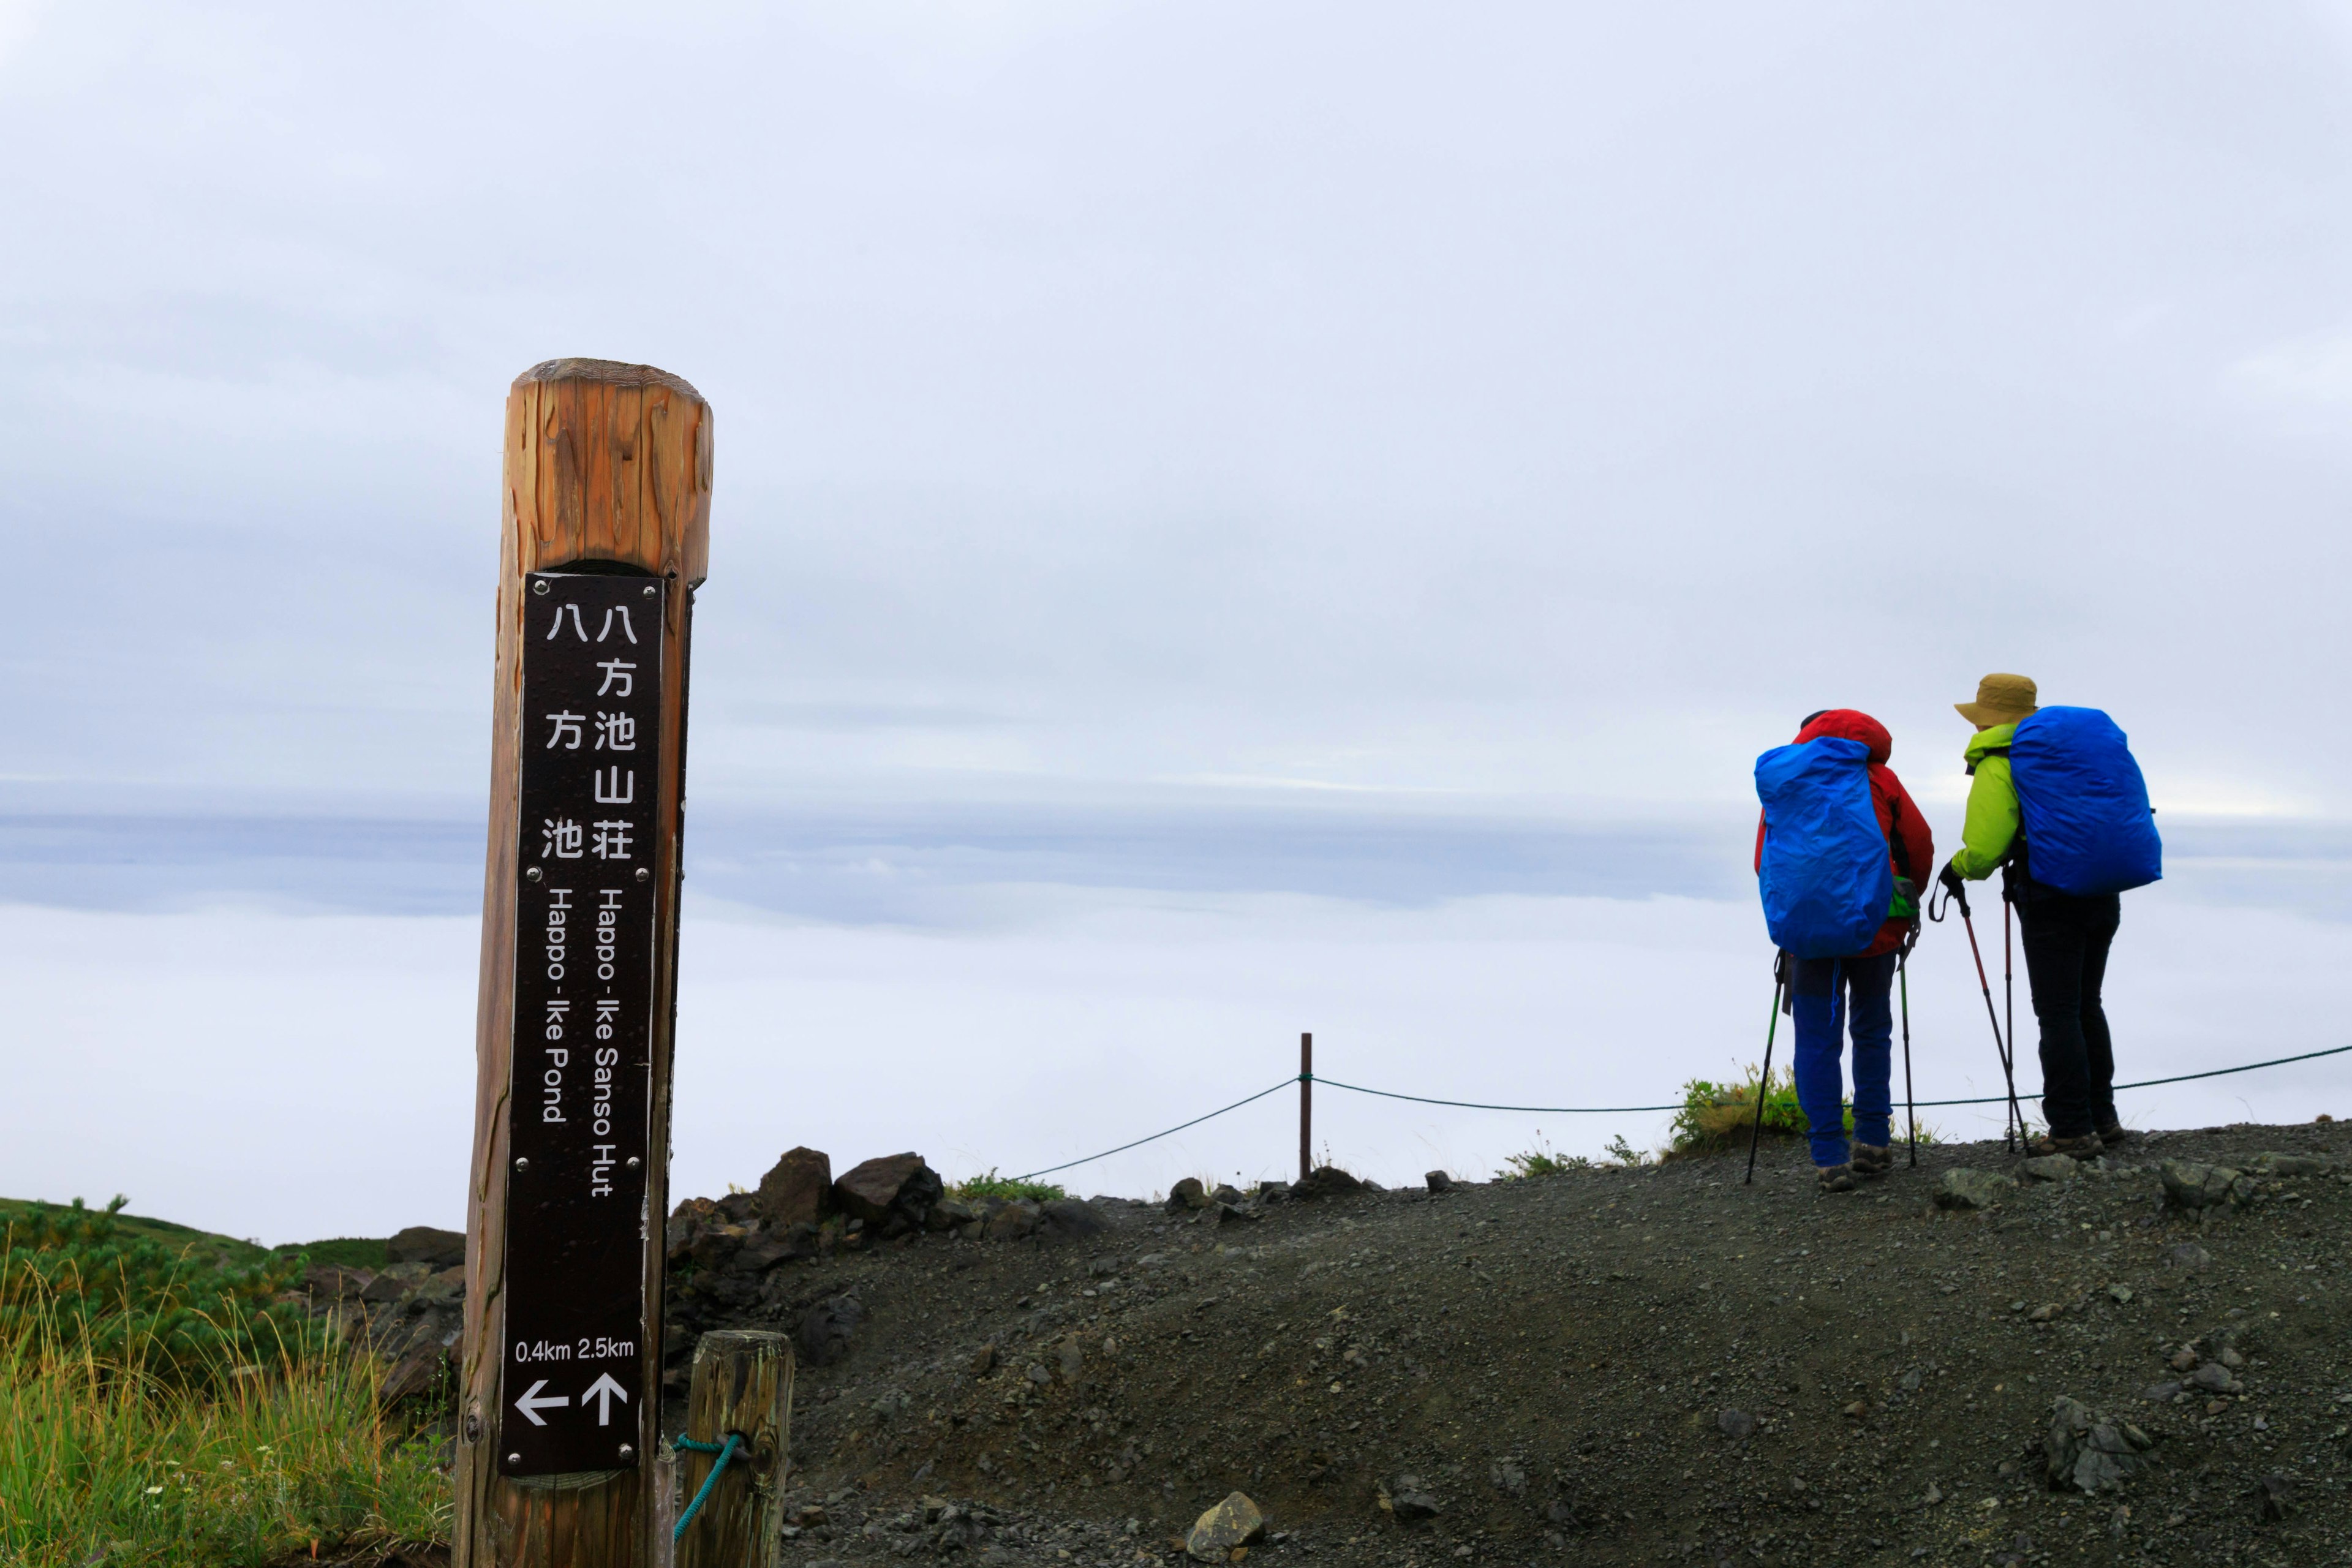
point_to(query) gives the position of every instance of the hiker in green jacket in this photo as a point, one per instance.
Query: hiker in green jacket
(2065, 937)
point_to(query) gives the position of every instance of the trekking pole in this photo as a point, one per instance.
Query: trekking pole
(1903, 984)
(2000, 1045)
(1765, 1082)
(2009, 1007)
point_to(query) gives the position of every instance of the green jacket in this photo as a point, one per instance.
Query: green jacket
(1991, 825)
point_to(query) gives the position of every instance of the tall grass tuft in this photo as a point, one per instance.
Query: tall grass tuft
(133, 1435)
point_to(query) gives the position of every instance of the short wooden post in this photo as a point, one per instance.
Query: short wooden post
(1305, 1105)
(742, 1386)
(605, 509)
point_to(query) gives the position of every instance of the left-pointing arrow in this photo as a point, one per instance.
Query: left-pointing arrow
(532, 1402)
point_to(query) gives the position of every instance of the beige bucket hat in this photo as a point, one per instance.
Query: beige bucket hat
(2001, 699)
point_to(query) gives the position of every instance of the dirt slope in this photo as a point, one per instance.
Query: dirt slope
(1565, 1367)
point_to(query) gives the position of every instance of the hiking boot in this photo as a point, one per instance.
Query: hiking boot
(1872, 1160)
(2086, 1147)
(2115, 1135)
(1836, 1178)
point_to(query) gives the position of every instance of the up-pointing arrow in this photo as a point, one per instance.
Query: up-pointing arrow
(532, 1402)
(602, 1392)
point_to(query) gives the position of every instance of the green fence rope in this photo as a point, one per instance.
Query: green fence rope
(734, 1441)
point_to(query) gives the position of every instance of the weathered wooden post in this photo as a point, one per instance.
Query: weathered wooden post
(1305, 1105)
(606, 518)
(742, 1388)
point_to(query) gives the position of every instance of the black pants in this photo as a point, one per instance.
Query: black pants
(2066, 940)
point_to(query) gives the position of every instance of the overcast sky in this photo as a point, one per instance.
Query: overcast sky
(1230, 453)
(1511, 407)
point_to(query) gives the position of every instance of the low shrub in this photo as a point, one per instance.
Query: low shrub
(1716, 1116)
(1541, 1160)
(179, 1313)
(341, 1252)
(992, 1185)
(1625, 1154)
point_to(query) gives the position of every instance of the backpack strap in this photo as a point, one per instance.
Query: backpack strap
(1902, 851)
(1988, 752)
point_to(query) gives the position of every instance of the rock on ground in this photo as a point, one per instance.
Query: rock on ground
(1961, 1188)
(423, 1244)
(826, 1329)
(1235, 1522)
(1327, 1182)
(1072, 1219)
(2190, 1186)
(893, 1193)
(2090, 1452)
(797, 1189)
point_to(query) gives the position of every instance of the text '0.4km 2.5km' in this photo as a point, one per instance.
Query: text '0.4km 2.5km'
(586, 1349)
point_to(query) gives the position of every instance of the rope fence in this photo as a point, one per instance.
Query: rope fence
(687, 1445)
(1305, 1078)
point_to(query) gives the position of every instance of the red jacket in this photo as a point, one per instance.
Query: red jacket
(1908, 838)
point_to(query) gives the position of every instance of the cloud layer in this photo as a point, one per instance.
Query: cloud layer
(1526, 406)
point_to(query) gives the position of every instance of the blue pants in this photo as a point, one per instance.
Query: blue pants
(1866, 985)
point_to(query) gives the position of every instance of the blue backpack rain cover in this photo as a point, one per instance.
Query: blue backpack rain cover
(2088, 827)
(1827, 882)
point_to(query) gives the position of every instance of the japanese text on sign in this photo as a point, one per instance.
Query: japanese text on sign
(584, 955)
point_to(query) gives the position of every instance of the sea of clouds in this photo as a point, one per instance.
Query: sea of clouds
(281, 1045)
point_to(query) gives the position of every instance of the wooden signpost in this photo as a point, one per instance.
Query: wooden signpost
(606, 522)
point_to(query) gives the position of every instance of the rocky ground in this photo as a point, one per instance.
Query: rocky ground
(1635, 1366)
(1605, 1366)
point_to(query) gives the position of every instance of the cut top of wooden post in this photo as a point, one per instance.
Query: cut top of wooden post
(742, 1384)
(608, 461)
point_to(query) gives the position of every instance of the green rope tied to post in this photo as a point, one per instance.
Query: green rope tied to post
(734, 1441)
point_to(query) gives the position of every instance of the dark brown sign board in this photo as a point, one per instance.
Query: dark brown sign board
(573, 1357)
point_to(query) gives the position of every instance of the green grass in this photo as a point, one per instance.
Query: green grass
(1541, 1162)
(83, 1278)
(345, 1251)
(992, 1185)
(159, 1404)
(342, 1251)
(140, 1227)
(1716, 1119)
(102, 1463)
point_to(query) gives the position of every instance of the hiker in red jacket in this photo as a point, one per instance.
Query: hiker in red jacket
(1866, 978)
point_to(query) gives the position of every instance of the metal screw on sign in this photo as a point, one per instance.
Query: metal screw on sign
(531, 874)
(538, 587)
(522, 1164)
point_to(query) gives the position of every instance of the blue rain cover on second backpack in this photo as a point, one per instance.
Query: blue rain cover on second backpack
(2088, 827)
(1827, 882)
